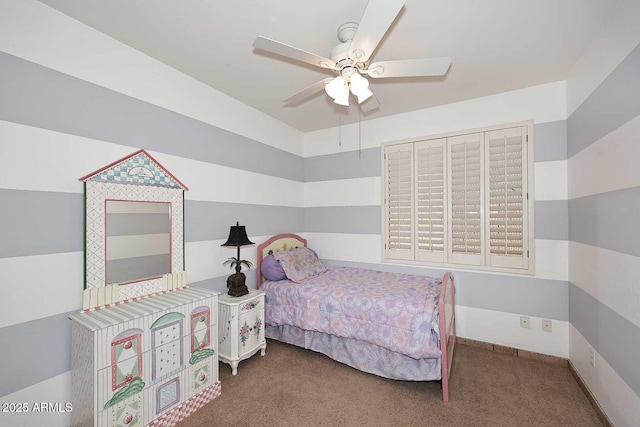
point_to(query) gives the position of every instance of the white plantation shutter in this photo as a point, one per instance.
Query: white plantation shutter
(507, 197)
(465, 195)
(398, 190)
(430, 200)
(461, 201)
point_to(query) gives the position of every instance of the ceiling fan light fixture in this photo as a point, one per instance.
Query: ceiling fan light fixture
(343, 98)
(338, 89)
(360, 87)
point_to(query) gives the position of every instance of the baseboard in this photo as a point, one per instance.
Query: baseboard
(517, 352)
(525, 354)
(601, 414)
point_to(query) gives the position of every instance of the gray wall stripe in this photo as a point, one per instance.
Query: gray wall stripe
(511, 294)
(31, 233)
(550, 141)
(25, 231)
(40, 222)
(48, 99)
(551, 218)
(345, 165)
(136, 268)
(211, 220)
(611, 335)
(611, 105)
(607, 220)
(344, 219)
(34, 342)
(135, 224)
(51, 336)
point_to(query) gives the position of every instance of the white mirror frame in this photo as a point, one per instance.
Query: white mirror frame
(137, 177)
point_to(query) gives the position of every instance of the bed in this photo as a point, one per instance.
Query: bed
(394, 325)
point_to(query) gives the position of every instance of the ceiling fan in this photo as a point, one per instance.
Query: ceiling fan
(350, 59)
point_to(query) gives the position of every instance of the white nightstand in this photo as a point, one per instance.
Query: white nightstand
(240, 327)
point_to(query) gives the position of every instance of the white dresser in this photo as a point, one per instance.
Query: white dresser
(241, 327)
(152, 361)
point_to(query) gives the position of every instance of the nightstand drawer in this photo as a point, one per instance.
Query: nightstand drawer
(253, 306)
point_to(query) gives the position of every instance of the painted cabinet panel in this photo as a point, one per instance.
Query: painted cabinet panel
(241, 328)
(148, 362)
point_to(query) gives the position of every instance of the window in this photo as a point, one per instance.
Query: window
(461, 200)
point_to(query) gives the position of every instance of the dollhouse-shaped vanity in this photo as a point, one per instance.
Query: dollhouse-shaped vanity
(145, 346)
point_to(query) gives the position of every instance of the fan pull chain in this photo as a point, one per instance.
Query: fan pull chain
(339, 130)
(359, 135)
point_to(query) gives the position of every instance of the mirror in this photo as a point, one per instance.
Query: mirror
(138, 240)
(134, 228)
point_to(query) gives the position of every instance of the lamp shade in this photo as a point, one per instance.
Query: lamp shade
(237, 236)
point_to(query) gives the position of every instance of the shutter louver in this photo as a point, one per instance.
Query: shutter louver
(430, 200)
(399, 206)
(506, 198)
(466, 172)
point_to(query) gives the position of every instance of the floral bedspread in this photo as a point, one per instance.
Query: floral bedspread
(395, 311)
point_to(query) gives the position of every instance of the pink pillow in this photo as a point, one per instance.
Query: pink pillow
(300, 264)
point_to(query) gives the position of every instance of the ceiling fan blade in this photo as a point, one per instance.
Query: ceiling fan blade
(426, 67)
(376, 20)
(370, 104)
(306, 93)
(273, 46)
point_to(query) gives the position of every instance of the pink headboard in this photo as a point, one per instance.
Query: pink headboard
(279, 242)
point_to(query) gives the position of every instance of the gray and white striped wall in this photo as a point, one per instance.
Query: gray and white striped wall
(73, 100)
(343, 214)
(603, 140)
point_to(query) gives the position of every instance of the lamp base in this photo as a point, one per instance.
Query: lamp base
(236, 285)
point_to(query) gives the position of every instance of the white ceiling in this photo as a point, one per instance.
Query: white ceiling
(495, 46)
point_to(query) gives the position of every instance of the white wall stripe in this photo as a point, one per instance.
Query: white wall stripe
(346, 247)
(550, 184)
(204, 259)
(608, 276)
(543, 103)
(22, 147)
(502, 328)
(550, 180)
(84, 155)
(609, 164)
(45, 285)
(55, 390)
(552, 259)
(35, 32)
(551, 255)
(214, 183)
(343, 192)
(616, 398)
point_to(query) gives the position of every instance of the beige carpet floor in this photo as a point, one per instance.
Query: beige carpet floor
(291, 386)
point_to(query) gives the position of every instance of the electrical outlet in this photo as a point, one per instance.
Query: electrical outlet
(546, 325)
(525, 322)
(592, 358)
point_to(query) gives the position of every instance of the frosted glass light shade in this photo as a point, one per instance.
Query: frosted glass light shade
(360, 88)
(336, 87)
